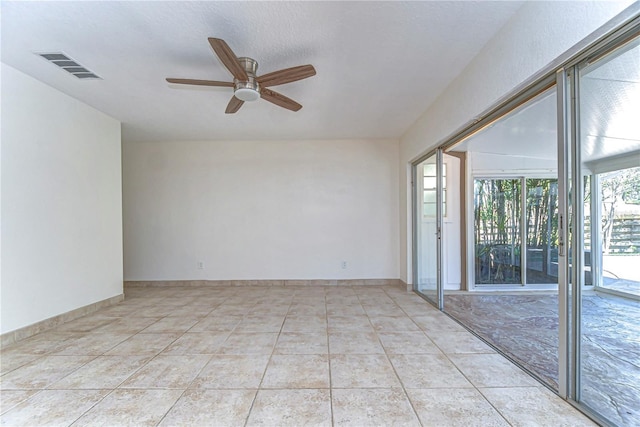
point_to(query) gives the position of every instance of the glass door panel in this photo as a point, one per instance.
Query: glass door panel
(542, 230)
(426, 226)
(619, 231)
(510, 197)
(497, 214)
(608, 347)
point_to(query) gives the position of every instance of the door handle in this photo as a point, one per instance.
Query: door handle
(561, 235)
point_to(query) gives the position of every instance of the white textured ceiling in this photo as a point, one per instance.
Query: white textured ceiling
(609, 108)
(529, 131)
(379, 64)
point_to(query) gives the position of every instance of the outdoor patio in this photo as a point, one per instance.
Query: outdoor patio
(525, 328)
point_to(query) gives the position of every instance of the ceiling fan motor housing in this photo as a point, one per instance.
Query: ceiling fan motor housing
(249, 90)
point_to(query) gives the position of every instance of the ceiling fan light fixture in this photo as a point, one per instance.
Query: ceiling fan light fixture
(247, 91)
(247, 95)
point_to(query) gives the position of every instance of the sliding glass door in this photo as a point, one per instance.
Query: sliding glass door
(504, 209)
(541, 221)
(613, 199)
(497, 231)
(607, 262)
(510, 298)
(527, 229)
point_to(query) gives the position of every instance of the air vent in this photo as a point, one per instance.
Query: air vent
(71, 66)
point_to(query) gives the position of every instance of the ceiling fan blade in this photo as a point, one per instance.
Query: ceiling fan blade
(233, 105)
(279, 99)
(199, 82)
(287, 75)
(228, 58)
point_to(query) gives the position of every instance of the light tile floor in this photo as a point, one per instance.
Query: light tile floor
(269, 356)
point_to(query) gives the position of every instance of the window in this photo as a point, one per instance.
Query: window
(429, 186)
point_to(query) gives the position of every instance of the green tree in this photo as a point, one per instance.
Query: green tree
(617, 187)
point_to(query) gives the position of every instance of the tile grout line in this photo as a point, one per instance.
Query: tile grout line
(255, 397)
(39, 356)
(195, 376)
(201, 369)
(457, 368)
(4, 410)
(326, 319)
(393, 366)
(462, 373)
(373, 300)
(117, 387)
(404, 390)
(492, 405)
(75, 370)
(111, 390)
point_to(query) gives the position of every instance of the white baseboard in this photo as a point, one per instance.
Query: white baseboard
(227, 283)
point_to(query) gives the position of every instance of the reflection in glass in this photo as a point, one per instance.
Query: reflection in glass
(609, 341)
(497, 231)
(620, 230)
(542, 230)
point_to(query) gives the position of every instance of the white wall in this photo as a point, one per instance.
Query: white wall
(538, 33)
(253, 210)
(61, 203)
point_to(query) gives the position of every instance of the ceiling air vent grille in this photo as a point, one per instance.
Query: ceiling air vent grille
(71, 66)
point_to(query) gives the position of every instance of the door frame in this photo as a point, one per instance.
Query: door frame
(416, 186)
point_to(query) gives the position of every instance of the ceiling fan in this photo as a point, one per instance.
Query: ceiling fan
(247, 86)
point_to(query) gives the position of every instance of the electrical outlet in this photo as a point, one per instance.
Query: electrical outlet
(200, 265)
(343, 264)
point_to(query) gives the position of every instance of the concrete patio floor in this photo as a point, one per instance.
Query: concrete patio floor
(525, 328)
